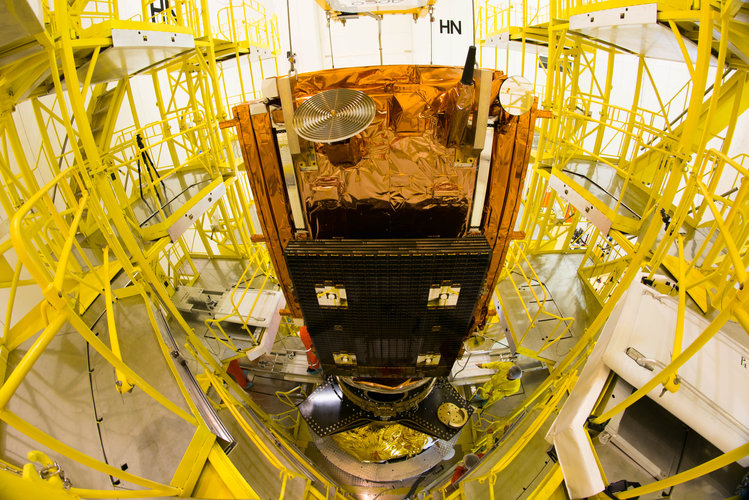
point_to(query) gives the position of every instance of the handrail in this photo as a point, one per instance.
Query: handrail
(730, 244)
(11, 384)
(34, 433)
(513, 15)
(65, 253)
(722, 217)
(18, 236)
(257, 262)
(121, 382)
(515, 259)
(236, 408)
(231, 405)
(177, 13)
(252, 19)
(687, 475)
(292, 413)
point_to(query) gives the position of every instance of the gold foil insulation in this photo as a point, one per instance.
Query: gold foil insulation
(377, 442)
(398, 177)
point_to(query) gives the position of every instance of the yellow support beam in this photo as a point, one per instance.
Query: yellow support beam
(221, 479)
(551, 487)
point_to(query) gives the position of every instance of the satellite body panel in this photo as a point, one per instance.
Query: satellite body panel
(365, 182)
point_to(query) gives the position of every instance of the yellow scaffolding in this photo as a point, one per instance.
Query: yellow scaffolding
(686, 189)
(107, 203)
(90, 198)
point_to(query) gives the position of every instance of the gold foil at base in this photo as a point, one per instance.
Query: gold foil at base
(377, 442)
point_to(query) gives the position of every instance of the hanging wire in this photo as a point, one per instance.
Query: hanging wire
(379, 34)
(288, 24)
(330, 39)
(431, 31)
(473, 20)
(290, 54)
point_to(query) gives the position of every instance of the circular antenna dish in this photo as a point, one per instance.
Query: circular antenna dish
(334, 115)
(516, 95)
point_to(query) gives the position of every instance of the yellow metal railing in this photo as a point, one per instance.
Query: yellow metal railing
(290, 420)
(45, 239)
(622, 143)
(493, 19)
(719, 212)
(259, 265)
(504, 439)
(240, 409)
(656, 151)
(50, 233)
(558, 223)
(245, 23)
(93, 12)
(183, 13)
(519, 268)
(736, 306)
(185, 150)
(499, 16)
(77, 231)
(182, 138)
(604, 263)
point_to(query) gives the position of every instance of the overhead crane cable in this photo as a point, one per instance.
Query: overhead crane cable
(330, 40)
(290, 54)
(473, 22)
(288, 24)
(379, 35)
(431, 29)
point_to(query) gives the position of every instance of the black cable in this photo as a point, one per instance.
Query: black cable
(62, 157)
(464, 366)
(145, 158)
(114, 481)
(140, 188)
(148, 163)
(439, 468)
(164, 205)
(532, 480)
(678, 464)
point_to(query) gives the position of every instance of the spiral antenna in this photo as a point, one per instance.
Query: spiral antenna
(334, 115)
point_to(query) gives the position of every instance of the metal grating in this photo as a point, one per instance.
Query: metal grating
(387, 320)
(328, 411)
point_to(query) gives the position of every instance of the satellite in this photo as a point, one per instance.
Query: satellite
(387, 197)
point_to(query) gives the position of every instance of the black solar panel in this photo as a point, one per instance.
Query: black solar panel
(386, 302)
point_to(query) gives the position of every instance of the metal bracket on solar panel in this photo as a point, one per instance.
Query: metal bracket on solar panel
(428, 359)
(344, 358)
